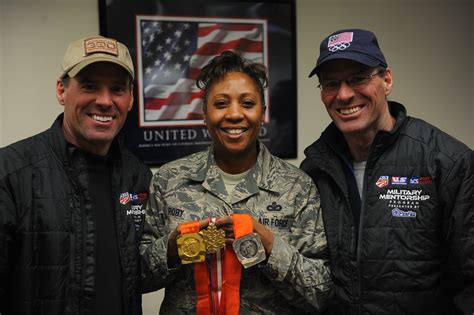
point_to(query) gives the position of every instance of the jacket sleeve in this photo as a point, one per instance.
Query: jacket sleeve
(7, 227)
(298, 267)
(457, 193)
(154, 242)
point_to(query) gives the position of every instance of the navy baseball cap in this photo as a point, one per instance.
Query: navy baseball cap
(353, 44)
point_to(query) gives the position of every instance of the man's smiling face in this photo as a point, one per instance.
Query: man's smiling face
(361, 109)
(96, 103)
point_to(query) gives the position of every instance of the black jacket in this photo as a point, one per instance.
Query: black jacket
(413, 250)
(47, 226)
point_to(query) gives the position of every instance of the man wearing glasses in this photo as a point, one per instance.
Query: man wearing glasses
(396, 192)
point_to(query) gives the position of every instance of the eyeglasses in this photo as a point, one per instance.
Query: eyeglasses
(355, 82)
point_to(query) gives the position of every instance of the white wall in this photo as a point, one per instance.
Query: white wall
(428, 44)
(34, 36)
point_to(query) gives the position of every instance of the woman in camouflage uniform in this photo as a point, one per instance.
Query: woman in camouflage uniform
(238, 174)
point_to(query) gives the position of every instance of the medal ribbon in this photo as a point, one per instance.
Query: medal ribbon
(216, 277)
(201, 275)
(232, 269)
(242, 225)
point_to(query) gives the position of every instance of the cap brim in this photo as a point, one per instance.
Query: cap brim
(313, 72)
(81, 65)
(354, 56)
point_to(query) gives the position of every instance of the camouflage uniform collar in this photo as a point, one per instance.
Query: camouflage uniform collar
(206, 169)
(260, 173)
(264, 170)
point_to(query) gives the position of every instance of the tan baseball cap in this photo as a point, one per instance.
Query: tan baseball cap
(86, 51)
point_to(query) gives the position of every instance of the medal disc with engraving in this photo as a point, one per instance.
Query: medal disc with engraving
(249, 250)
(214, 237)
(191, 248)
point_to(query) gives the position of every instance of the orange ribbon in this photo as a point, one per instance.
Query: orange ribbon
(201, 275)
(233, 268)
(232, 272)
(190, 227)
(242, 225)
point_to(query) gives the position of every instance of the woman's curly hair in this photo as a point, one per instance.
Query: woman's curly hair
(231, 61)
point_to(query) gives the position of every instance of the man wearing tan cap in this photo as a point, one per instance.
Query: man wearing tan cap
(72, 197)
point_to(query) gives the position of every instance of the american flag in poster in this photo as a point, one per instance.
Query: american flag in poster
(171, 53)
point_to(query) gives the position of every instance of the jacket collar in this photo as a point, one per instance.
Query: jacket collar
(58, 141)
(65, 151)
(333, 138)
(383, 139)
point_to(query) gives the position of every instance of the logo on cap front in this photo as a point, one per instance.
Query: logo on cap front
(340, 41)
(101, 45)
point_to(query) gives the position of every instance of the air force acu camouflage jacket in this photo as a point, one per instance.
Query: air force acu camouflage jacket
(295, 277)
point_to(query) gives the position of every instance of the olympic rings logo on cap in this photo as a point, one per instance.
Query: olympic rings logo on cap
(340, 46)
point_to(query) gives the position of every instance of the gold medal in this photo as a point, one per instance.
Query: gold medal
(191, 248)
(214, 237)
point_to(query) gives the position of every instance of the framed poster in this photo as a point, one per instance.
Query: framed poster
(170, 41)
